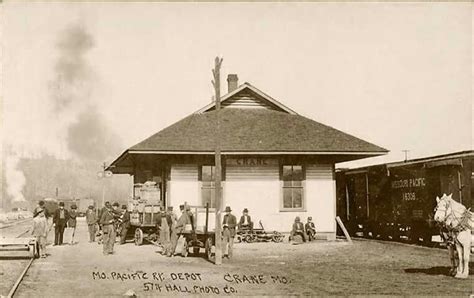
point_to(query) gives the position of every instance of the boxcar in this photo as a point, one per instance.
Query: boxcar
(395, 201)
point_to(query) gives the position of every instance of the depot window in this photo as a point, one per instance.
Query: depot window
(292, 177)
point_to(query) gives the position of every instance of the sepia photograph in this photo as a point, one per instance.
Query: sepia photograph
(236, 149)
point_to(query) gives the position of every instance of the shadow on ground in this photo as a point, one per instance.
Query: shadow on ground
(438, 270)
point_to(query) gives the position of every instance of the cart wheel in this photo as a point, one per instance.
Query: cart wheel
(238, 239)
(196, 250)
(277, 237)
(138, 236)
(185, 251)
(248, 238)
(209, 248)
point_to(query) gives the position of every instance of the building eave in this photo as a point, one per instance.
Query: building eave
(258, 152)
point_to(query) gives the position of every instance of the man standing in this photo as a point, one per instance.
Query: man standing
(71, 223)
(107, 221)
(39, 230)
(229, 224)
(125, 225)
(171, 213)
(179, 228)
(91, 219)
(102, 210)
(61, 216)
(42, 206)
(49, 219)
(163, 225)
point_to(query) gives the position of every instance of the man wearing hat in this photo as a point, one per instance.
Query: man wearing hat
(71, 223)
(173, 230)
(245, 221)
(107, 220)
(229, 223)
(125, 224)
(163, 225)
(60, 219)
(310, 229)
(41, 205)
(179, 227)
(172, 214)
(102, 210)
(298, 230)
(91, 219)
(39, 230)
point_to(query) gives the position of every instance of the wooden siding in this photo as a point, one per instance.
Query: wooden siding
(248, 100)
(184, 172)
(252, 173)
(319, 172)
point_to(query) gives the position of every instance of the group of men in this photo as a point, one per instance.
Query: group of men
(108, 222)
(302, 232)
(61, 218)
(170, 228)
(111, 221)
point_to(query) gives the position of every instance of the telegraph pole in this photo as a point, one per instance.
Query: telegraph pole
(406, 154)
(102, 175)
(217, 87)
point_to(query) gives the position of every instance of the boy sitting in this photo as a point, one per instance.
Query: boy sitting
(310, 229)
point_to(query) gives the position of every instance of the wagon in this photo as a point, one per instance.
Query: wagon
(199, 235)
(144, 209)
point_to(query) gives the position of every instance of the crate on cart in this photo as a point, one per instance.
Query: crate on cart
(145, 207)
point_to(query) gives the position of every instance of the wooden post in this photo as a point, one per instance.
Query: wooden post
(460, 187)
(347, 201)
(367, 193)
(343, 228)
(218, 166)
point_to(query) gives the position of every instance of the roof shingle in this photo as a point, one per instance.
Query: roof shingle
(253, 130)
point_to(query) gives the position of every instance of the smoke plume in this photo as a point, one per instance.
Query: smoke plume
(81, 132)
(15, 178)
(90, 138)
(86, 134)
(73, 84)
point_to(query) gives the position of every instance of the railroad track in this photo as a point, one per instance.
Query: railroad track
(12, 291)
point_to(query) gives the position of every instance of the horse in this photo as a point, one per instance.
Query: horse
(457, 222)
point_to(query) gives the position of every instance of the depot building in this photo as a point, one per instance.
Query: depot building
(275, 163)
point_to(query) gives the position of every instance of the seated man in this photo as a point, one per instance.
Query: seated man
(245, 222)
(310, 229)
(298, 234)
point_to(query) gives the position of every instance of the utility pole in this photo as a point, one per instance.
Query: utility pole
(406, 154)
(218, 191)
(102, 175)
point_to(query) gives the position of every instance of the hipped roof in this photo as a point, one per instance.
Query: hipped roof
(273, 130)
(253, 130)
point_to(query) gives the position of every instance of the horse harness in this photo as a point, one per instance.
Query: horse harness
(449, 232)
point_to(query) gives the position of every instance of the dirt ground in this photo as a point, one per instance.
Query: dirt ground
(318, 268)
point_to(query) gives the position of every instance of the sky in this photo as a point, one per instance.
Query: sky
(397, 75)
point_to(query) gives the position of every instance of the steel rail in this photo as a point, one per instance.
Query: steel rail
(23, 273)
(19, 280)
